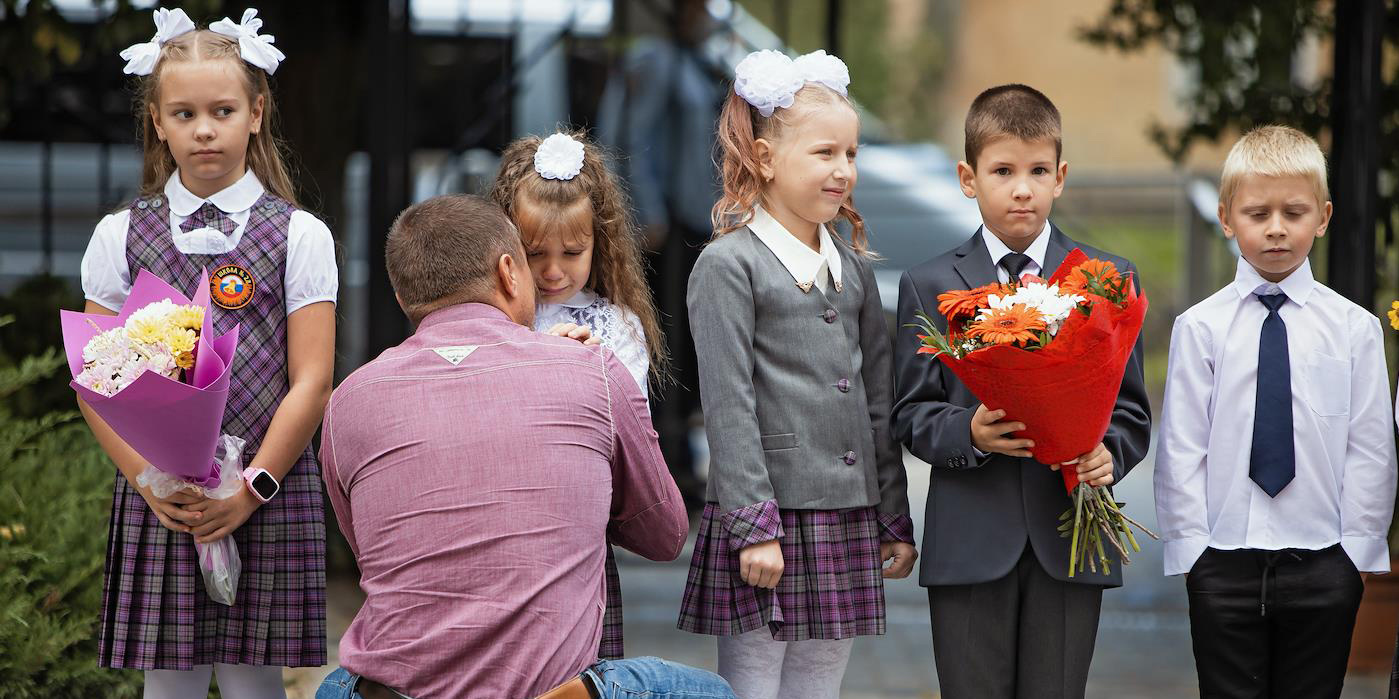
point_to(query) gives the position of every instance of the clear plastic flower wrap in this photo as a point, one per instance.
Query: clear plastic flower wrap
(219, 562)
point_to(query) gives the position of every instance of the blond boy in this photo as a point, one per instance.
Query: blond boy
(1275, 475)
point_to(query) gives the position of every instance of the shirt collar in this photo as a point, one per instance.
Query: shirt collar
(582, 299)
(237, 197)
(1298, 286)
(463, 311)
(1039, 247)
(802, 262)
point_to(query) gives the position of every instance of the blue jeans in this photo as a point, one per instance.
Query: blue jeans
(652, 678)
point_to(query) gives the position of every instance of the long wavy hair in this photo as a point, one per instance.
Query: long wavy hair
(740, 126)
(618, 271)
(265, 148)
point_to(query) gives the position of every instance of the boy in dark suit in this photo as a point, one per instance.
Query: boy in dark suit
(1008, 622)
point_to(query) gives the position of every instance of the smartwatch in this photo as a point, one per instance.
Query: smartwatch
(261, 483)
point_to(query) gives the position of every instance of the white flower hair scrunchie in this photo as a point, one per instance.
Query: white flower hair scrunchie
(141, 58)
(559, 157)
(769, 80)
(824, 69)
(255, 49)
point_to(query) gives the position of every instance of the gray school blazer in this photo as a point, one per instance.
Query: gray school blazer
(796, 386)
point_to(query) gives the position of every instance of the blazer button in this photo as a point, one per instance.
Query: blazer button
(843, 385)
(829, 315)
(849, 458)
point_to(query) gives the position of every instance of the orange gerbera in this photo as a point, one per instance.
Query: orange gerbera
(1007, 326)
(1094, 270)
(960, 303)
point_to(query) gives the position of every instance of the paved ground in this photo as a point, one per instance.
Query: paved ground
(1143, 649)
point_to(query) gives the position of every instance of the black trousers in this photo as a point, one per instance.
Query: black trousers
(1024, 636)
(1272, 624)
(672, 406)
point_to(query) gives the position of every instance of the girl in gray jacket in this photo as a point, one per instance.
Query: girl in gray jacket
(807, 492)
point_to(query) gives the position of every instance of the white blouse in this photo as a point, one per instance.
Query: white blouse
(311, 273)
(617, 328)
(808, 267)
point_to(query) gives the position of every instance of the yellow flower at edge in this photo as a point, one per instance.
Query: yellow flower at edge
(1394, 315)
(180, 341)
(191, 317)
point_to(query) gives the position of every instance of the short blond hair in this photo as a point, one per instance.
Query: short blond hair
(1274, 151)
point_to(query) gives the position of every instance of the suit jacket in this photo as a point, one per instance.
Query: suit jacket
(982, 511)
(796, 386)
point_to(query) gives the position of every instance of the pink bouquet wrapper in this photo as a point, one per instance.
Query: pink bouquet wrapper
(173, 425)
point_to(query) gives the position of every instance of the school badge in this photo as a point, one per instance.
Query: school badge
(231, 287)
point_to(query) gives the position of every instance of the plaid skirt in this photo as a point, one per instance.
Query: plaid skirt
(610, 648)
(156, 615)
(832, 585)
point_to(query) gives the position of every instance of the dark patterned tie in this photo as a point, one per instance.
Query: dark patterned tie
(1272, 462)
(209, 216)
(1015, 263)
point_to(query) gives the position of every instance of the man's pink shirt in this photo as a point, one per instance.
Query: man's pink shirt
(475, 470)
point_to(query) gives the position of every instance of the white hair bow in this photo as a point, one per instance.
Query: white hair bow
(559, 157)
(255, 49)
(769, 80)
(141, 58)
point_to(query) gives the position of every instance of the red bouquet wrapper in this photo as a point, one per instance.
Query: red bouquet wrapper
(1065, 392)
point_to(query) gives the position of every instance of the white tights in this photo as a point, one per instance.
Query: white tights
(235, 682)
(758, 667)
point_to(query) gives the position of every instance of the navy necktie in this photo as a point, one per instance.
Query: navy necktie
(1272, 462)
(1015, 263)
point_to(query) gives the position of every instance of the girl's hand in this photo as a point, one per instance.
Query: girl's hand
(903, 556)
(171, 511)
(581, 333)
(760, 565)
(219, 518)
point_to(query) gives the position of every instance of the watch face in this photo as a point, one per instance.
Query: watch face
(265, 485)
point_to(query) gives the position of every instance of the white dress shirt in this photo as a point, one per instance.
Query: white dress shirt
(615, 327)
(808, 267)
(311, 274)
(1036, 252)
(1343, 490)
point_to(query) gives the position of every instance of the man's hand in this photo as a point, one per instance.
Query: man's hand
(903, 556)
(760, 565)
(572, 331)
(1094, 468)
(990, 435)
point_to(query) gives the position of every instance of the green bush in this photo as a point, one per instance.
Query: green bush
(55, 500)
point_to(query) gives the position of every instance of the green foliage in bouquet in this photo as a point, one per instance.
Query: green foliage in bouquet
(55, 498)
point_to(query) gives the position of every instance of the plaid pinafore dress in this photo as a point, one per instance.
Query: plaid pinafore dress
(155, 614)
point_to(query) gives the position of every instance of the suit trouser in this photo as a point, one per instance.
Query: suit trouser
(1024, 636)
(1272, 624)
(668, 271)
